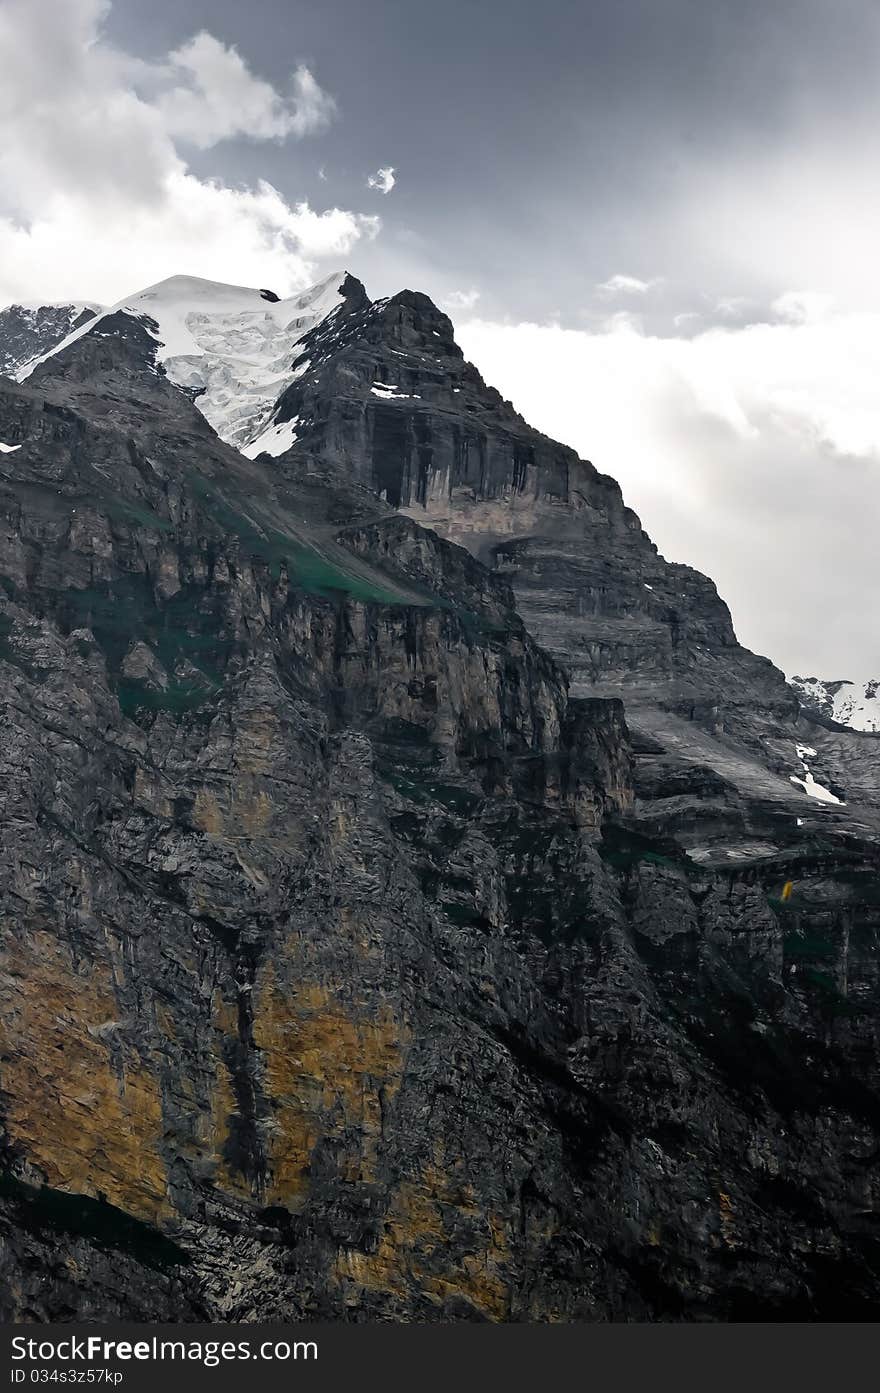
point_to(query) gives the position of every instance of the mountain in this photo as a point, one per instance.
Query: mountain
(229, 347)
(393, 851)
(853, 704)
(29, 331)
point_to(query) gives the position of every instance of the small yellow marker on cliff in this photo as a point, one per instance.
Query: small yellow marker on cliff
(786, 890)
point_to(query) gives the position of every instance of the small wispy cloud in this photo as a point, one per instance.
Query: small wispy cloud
(383, 180)
(626, 285)
(732, 306)
(803, 306)
(461, 299)
(623, 322)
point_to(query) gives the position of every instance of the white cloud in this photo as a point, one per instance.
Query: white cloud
(803, 306)
(625, 285)
(461, 299)
(750, 452)
(801, 210)
(220, 97)
(731, 306)
(247, 236)
(383, 180)
(96, 198)
(622, 320)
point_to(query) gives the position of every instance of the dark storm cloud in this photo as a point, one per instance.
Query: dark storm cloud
(540, 149)
(687, 187)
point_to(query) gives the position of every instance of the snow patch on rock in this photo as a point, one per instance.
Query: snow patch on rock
(274, 440)
(808, 783)
(388, 391)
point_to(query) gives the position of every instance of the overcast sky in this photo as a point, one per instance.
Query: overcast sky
(654, 222)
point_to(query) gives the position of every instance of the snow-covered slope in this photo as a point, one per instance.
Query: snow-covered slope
(852, 704)
(230, 346)
(26, 331)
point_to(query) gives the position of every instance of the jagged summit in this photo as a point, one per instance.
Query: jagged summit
(34, 308)
(28, 331)
(230, 347)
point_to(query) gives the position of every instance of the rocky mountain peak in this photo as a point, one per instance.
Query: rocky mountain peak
(29, 331)
(411, 318)
(414, 902)
(229, 348)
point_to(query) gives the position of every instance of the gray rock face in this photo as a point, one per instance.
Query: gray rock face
(355, 963)
(389, 397)
(28, 331)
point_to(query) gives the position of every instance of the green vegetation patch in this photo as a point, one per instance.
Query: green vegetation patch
(310, 570)
(307, 567)
(125, 510)
(811, 946)
(831, 1000)
(778, 905)
(623, 849)
(186, 630)
(178, 698)
(419, 785)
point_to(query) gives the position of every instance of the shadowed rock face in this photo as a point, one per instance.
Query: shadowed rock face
(353, 964)
(27, 331)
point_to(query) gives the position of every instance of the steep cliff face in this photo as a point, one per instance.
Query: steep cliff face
(28, 331)
(246, 871)
(352, 967)
(388, 396)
